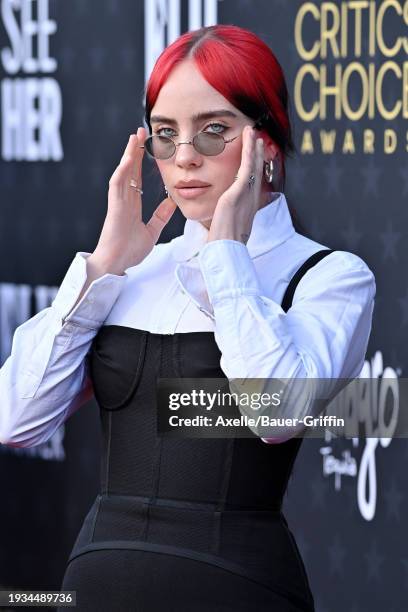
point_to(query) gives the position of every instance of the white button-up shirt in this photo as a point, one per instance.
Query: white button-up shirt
(185, 285)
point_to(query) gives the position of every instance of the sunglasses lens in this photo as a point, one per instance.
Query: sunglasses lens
(162, 147)
(159, 147)
(209, 144)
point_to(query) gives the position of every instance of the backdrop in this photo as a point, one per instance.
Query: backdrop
(72, 79)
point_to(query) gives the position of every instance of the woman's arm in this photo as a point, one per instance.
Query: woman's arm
(323, 335)
(45, 378)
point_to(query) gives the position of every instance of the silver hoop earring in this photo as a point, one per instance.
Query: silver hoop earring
(268, 171)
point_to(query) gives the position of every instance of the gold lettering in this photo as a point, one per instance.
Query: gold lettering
(368, 142)
(307, 7)
(379, 88)
(355, 115)
(330, 90)
(388, 52)
(348, 144)
(326, 34)
(328, 140)
(307, 142)
(390, 141)
(302, 72)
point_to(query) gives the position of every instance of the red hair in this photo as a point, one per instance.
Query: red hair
(238, 64)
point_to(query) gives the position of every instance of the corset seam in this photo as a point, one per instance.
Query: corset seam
(189, 505)
(108, 452)
(176, 357)
(122, 403)
(95, 518)
(223, 492)
(158, 458)
(210, 559)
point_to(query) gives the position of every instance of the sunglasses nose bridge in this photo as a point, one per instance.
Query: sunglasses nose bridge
(193, 142)
(184, 142)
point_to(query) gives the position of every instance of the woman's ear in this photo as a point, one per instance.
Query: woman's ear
(271, 149)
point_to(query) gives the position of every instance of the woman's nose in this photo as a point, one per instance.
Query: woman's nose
(186, 154)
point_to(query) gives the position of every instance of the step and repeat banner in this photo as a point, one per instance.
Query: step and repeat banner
(72, 76)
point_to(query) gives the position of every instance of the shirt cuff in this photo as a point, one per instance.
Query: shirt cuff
(228, 270)
(96, 303)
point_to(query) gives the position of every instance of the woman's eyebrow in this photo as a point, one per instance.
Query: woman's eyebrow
(195, 118)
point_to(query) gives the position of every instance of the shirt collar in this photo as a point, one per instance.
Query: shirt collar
(272, 225)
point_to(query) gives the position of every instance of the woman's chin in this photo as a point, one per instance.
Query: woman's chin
(196, 211)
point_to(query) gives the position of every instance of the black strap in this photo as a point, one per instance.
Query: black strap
(309, 263)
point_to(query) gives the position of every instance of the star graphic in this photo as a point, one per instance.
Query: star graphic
(66, 59)
(53, 230)
(333, 173)
(393, 498)
(82, 7)
(97, 57)
(317, 488)
(402, 171)
(24, 229)
(337, 553)
(373, 560)
(67, 174)
(113, 113)
(348, 490)
(127, 57)
(83, 229)
(389, 239)
(405, 565)
(298, 173)
(314, 230)
(403, 302)
(97, 173)
(371, 173)
(351, 235)
(82, 116)
(112, 7)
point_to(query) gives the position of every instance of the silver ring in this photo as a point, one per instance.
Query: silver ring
(133, 184)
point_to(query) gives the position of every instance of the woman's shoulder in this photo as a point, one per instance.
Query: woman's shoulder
(304, 247)
(338, 267)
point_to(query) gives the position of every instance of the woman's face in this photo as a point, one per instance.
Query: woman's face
(184, 94)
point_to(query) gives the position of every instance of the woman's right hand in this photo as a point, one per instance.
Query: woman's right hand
(125, 239)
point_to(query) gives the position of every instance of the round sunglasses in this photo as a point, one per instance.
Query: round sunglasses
(164, 147)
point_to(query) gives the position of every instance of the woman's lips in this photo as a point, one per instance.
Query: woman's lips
(191, 192)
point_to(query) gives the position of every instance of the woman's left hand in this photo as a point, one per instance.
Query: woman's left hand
(236, 208)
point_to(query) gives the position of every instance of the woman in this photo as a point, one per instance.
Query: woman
(192, 524)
